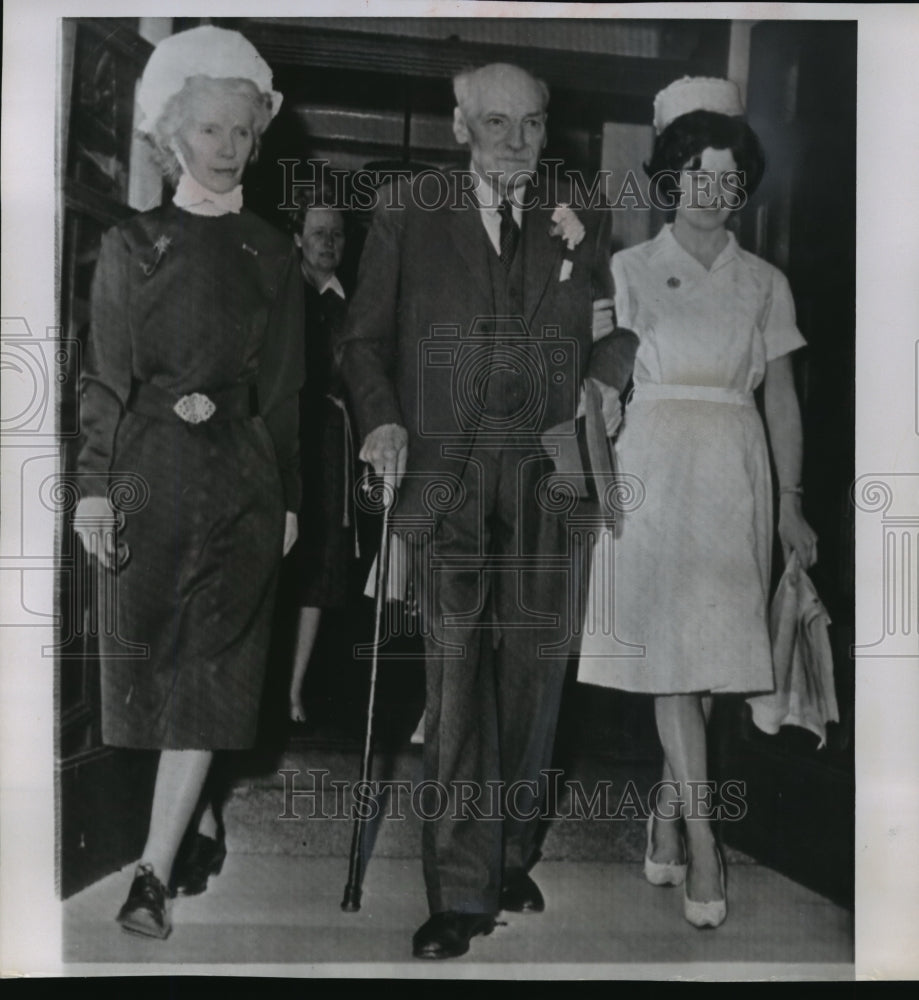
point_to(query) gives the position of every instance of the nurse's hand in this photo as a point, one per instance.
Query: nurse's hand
(94, 522)
(795, 534)
(290, 530)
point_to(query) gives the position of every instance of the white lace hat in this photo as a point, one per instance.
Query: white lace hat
(696, 93)
(205, 51)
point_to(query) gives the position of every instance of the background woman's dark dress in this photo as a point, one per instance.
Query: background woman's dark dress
(190, 303)
(325, 547)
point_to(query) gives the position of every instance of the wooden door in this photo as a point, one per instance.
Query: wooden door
(103, 793)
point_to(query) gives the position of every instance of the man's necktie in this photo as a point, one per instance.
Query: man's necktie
(509, 235)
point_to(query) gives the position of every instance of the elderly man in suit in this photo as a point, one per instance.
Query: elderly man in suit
(477, 319)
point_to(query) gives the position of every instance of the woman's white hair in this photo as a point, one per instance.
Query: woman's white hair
(175, 115)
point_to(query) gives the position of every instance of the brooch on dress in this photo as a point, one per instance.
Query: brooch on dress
(162, 244)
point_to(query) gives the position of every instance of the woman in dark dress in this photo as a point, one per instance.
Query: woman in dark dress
(190, 390)
(326, 544)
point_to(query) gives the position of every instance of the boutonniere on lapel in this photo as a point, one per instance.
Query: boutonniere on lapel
(567, 226)
(160, 247)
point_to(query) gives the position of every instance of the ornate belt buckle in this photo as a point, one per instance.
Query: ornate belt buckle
(194, 408)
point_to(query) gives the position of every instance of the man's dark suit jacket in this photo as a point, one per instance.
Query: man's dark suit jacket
(423, 270)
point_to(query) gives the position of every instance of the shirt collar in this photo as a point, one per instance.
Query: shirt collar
(489, 199)
(665, 244)
(198, 200)
(334, 285)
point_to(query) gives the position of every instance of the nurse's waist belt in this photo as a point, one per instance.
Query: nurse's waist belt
(235, 402)
(647, 391)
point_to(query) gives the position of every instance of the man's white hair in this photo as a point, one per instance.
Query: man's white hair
(466, 85)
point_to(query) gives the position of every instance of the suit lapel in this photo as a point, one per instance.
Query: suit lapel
(471, 243)
(541, 257)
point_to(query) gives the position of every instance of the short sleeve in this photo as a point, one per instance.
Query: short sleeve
(777, 322)
(621, 296)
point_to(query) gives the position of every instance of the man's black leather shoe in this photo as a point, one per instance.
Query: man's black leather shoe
(521, 894)
(447, 934)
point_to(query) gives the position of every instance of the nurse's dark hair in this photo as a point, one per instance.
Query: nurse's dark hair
(689, 135)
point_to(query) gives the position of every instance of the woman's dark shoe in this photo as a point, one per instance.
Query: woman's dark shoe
(144, 911)
(205, 857)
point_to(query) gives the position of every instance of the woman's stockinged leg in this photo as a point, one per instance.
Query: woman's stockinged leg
(180, 779)
(307, 629)
(667, 837)
(681, 721)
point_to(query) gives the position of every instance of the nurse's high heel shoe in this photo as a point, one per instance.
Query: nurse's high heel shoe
(662, 872)
(711, 913)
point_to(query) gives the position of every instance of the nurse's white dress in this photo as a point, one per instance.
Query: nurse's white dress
(678, 599)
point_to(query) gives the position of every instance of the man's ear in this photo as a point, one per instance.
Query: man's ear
(298, 240)
(460, 128)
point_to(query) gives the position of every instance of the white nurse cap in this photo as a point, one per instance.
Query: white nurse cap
(205, 51)
(696, 93)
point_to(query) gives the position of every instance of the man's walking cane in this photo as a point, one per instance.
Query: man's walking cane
(352, 899)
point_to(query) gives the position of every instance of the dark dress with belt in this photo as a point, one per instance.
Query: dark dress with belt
(187, 304)
(325, 548)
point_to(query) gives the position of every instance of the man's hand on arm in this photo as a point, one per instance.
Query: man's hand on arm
(603, 322)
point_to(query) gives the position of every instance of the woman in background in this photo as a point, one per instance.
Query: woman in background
(692, 562)
(326, 546)
(196, 361)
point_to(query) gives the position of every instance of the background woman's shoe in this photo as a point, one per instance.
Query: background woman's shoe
(144, 911)
(662, 872)
(204, 858)
(520, 894)
(711, 913)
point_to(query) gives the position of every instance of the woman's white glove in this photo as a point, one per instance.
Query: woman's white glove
(94, 521)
